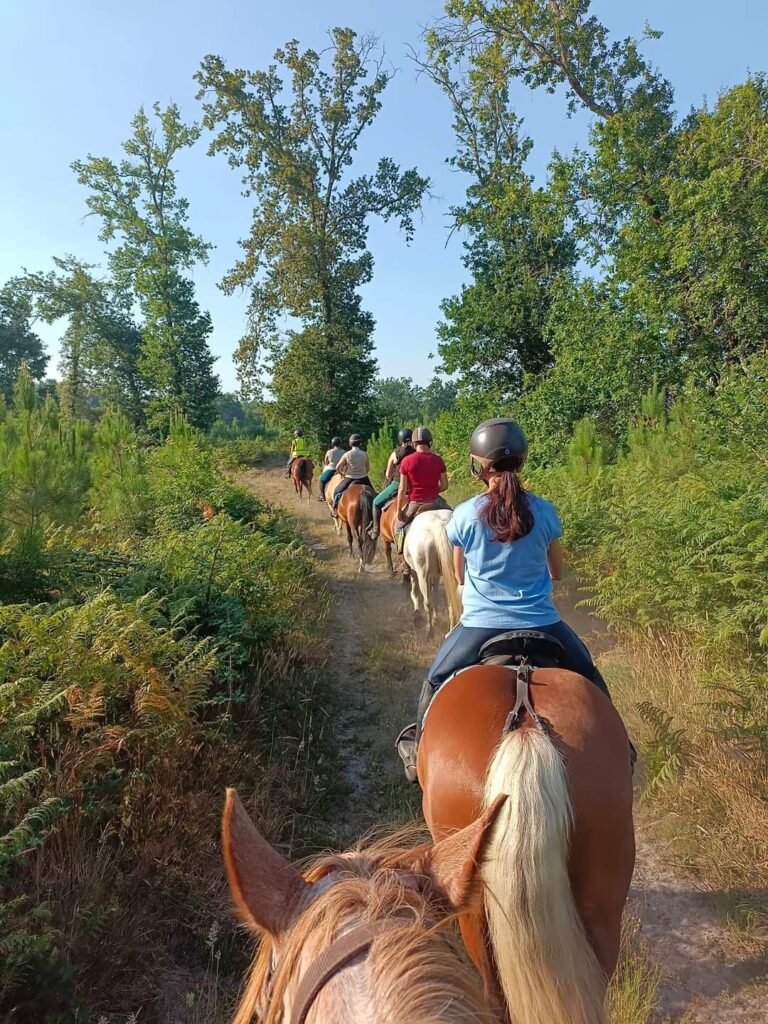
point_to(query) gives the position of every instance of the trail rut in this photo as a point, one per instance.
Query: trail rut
(379, 661)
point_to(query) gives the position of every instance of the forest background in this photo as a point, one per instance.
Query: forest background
(618, 309)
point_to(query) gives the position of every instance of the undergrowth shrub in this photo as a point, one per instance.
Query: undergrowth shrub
(163, 647)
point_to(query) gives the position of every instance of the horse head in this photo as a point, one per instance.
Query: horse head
(359, 936)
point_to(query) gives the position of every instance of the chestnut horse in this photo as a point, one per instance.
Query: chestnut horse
(302, 471)
(361, 936)
(558, 864)
(356, 514)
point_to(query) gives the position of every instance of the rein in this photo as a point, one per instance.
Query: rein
(335, 958)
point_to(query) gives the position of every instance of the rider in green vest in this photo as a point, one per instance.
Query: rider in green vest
(298, 449)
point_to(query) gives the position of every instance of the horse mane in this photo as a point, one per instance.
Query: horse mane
(419, 973)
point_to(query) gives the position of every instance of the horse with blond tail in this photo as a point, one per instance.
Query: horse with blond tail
(559, 861)
(429, 555)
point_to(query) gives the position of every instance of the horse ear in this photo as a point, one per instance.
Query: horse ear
(268, 891)
(451, 864)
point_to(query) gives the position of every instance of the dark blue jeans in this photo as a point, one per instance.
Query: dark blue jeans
(461, 648)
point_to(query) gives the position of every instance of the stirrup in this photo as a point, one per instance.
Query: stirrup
(405, 745)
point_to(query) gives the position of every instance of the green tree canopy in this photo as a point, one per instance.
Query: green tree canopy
(138, 204)
(293, 130)
(101, 346)
(19, 344)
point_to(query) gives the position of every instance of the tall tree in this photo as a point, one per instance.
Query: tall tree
(19, 344)
(101, 346)
(293, 130)
(138, 204)
(517, 246)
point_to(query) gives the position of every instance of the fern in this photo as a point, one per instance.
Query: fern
(666, 751)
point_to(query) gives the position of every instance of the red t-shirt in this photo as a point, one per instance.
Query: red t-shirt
(422, 470)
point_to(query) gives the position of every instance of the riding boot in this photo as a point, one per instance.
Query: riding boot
(407, 743)
(373, 532)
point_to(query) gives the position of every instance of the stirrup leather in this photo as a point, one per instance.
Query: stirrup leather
(523, 702)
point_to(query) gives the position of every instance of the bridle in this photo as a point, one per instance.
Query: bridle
(335, 958)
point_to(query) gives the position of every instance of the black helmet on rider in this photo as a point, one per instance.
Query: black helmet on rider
(336, 442)
(422, 435)
(298, 433)
(405, 436)
(355, 440)
(495, 441)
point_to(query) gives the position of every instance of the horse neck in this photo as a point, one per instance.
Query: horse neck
(413, 973)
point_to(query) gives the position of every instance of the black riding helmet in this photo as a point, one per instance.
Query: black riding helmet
(336, 442)
(405, 436)
(298, 433)
(494, 440)
(355, 440)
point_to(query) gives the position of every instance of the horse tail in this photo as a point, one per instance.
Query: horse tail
(367, 543)
(445, 557)
(546, 966)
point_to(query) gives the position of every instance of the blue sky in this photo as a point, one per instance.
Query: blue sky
(72, 75)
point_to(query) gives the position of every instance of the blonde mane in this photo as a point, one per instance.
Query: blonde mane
(418, 973)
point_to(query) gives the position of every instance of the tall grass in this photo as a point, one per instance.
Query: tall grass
(150, 654)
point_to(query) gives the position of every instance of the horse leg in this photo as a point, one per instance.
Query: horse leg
(415, 595)
(429, 608)
(388, 553)
(349, 539)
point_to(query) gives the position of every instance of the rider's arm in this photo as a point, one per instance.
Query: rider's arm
(555, 560)
(341, 465)
(458, 565)
(442, 483)
(390, 473)
(327, 458)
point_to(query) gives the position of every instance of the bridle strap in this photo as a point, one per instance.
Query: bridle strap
(335, 958)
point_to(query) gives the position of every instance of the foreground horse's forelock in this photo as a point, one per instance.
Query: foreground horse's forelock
(413, 972)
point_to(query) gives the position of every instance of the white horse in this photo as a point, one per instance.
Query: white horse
(429, 555)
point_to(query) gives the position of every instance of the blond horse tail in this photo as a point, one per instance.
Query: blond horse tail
(547, 969)
(445, 557)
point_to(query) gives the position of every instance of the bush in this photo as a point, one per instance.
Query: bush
(153, 656)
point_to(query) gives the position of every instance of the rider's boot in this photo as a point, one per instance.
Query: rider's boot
(407, 743)
(373, 532)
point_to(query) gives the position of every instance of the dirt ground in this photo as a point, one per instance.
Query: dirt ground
(380, 662)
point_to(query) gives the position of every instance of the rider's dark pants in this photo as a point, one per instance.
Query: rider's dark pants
(461, 648)
(345, 483)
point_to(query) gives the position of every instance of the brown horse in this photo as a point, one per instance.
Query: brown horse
(387, 529)
(559, 862)
(361, 936)
(356, 514)
(302, 471)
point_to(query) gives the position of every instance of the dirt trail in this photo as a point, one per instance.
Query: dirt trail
(380, 662)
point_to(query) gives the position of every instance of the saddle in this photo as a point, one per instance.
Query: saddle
(427, 506)
(523, 646)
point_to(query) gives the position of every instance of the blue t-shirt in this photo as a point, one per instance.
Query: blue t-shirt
(506, 585)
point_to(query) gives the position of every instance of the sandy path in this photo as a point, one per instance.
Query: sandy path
(380, 662)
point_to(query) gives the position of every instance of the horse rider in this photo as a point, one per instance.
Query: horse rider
(298, 450)
(423, 477)
(330, 462)
(506, 554)
(353, 467)
(392, 477)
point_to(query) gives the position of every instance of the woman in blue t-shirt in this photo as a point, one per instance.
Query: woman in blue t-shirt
(506, 553)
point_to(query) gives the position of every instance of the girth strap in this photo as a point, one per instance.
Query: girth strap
(337, 956)
(523, 701)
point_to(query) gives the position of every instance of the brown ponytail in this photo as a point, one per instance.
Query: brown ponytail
(505, 508)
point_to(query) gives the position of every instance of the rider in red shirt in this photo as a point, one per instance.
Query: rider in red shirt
(422, 477)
